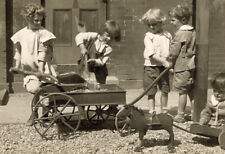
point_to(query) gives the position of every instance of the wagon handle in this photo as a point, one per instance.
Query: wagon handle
(150, 86)
(38, 74)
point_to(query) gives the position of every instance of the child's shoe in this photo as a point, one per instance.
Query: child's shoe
(179, 118)
(30, 121)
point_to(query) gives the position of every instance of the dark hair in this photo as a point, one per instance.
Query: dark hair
(218, 81)
(112, 28)
(180, 12)
(31, 10)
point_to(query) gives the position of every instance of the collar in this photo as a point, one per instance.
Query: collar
(151, 35)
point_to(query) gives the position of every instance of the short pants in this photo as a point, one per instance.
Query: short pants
(183, 81)
(150, 74)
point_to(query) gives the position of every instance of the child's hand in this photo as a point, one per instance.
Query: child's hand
(91, 62)
(166, 64)
(171, 70)
(14, 70)
(84, 51)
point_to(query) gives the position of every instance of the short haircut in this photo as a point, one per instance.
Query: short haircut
(180, 12)
(112, 28)
(218, 81)
(153, 15)
(31, 10)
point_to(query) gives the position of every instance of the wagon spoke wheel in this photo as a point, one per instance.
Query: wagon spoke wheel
(123, 125)
(97, 114)
(57, 115)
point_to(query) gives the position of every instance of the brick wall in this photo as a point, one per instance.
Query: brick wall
(216, 37)
(2, 43)
(127, 58)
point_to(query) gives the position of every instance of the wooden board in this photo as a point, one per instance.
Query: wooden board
(205, 130)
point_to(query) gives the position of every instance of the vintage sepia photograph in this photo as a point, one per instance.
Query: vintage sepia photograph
(112, 76)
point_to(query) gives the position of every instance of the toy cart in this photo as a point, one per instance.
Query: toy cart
(61, 107)
(209, 131)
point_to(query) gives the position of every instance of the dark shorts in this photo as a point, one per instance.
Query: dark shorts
(183, 82)
(100, 74)
(150, 74)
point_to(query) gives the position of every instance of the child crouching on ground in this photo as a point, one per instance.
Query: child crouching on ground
(216, 105)
(156, 51)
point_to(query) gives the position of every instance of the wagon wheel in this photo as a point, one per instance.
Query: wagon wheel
(97, 114)
(221, 138)
(123, 125)
(54, 112)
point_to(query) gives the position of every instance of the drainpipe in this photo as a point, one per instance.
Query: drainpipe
(107, 2)
(9, 44)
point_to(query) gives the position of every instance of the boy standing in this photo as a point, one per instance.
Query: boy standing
(182, 55)
(156, 51)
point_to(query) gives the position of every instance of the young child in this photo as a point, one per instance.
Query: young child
(216, 104)
(97, 48)
(182, 55)
(156, 51)
(33, 49)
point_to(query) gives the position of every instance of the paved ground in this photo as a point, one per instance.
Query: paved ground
(18, 108)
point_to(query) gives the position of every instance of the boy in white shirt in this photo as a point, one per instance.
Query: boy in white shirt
(157, 42)
(97, 48)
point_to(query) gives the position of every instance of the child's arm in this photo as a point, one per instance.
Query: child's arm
(83, 49)
(17, 55)
(161, 52)
(83, 37)
(102, 60)
(161, 60)
(175, 48)
(42, 55)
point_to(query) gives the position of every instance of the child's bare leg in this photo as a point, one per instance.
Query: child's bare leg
(164, 102)
(151, 103)
(181, 108)
(182, 103)
(191, 97)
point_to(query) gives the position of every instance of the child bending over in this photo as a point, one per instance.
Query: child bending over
(96, 46)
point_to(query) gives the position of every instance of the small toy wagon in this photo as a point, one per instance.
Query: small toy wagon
(209, 131)
(59, 107)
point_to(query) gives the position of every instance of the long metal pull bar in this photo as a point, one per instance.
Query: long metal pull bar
(149, 87)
